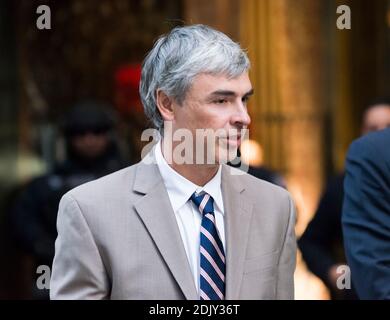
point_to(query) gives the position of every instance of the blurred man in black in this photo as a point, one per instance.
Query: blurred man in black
(91, 153)
(250, 159)
(322, 242)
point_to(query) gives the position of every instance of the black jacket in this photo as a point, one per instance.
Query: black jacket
(366, 214)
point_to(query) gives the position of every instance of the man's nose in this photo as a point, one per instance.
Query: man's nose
(241, 117)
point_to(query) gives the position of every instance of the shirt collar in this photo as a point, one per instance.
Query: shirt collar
(180, 189)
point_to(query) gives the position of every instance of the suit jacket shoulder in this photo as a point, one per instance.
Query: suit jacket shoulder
(374, 147)
(258, 191)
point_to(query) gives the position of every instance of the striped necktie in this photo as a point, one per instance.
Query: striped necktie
(212, 256)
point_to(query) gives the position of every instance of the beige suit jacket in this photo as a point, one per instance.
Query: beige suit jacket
(118, 239)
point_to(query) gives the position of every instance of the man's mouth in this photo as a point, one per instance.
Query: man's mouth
(231, 141)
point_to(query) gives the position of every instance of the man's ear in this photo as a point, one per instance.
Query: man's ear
(164, 105)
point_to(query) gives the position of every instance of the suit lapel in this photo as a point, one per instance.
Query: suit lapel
(156, 212)
(238, 213)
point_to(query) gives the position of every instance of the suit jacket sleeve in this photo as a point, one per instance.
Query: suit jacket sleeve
(287, 260)
(366, 217)
(78, 271)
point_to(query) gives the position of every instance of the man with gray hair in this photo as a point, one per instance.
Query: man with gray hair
(181, 227)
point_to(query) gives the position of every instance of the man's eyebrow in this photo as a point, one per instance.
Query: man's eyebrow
(249, 93)
(230, 93)
(223, 93)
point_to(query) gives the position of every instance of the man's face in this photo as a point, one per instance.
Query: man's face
(90, 145)
(376, 118)
(217, 103)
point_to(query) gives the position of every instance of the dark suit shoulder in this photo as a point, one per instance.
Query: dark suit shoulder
(373, 145)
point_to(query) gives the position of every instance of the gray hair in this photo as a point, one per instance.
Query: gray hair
(177, 57)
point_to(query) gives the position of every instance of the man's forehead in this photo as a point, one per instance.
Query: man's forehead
(377, 110)
(210, 83)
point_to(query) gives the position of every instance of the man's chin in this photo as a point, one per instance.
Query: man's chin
(226, 155)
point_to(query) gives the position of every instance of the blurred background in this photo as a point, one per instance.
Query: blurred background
(70, 110)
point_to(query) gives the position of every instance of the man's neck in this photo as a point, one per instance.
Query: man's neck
(198, 174)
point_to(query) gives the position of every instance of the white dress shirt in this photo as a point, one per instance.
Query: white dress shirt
(187, 215)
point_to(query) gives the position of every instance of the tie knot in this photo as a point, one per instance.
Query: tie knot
(204, 202)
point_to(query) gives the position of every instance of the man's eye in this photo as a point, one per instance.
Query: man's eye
(220, 101)
(245, 99)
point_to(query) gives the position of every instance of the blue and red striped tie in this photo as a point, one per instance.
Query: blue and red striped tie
(212, 256)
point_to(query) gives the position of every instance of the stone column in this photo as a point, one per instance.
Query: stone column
(284, 41)
(220, 14)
